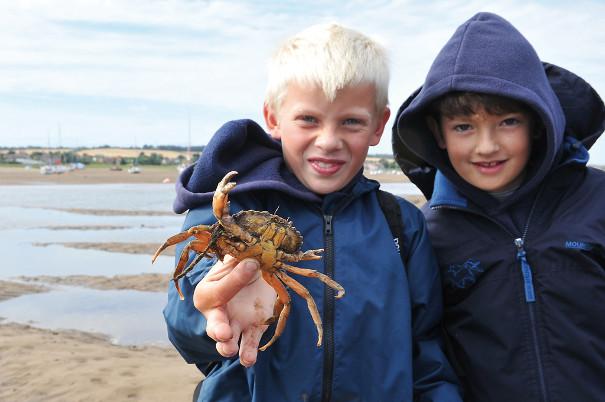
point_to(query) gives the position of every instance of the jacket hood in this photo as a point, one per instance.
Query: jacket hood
(488, 55)
(243, 146)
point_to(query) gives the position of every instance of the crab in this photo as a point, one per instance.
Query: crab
(270, 239)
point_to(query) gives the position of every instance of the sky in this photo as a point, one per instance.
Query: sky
(134, 72)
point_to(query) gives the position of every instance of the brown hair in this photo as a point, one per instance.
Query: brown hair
(466, 103)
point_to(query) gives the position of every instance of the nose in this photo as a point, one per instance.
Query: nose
(328, 139)
(487, 143)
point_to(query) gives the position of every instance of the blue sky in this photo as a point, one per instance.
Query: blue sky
(134, 72)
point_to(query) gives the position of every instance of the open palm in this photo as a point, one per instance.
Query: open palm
(236, 303)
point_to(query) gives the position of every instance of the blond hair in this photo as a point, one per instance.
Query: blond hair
(331, 57)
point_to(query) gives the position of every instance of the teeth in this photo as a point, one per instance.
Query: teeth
(323, 164)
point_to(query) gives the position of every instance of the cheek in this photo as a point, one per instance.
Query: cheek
(522, 146)
(293, 145)
(457, 148)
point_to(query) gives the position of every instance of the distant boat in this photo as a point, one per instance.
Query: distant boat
(46, 169)
(55, 169)
(134, 169)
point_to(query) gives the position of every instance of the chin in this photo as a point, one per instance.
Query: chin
(325, 188)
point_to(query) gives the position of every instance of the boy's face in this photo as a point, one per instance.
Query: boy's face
(326, 142)
(488, 151)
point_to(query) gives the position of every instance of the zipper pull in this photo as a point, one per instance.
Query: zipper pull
(328, 224)
(528, 284)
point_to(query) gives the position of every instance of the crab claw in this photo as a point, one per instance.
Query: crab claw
(178, 289)
(312, 254)
(170, 242)
(199, 232)
(220, 206)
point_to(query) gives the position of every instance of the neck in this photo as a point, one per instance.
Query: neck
(509, 189)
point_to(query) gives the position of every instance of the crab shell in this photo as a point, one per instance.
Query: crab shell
(257, 222)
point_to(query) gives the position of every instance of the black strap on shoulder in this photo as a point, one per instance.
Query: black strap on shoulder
(392, 212)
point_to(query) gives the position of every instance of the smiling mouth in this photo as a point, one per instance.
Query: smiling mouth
(488, 164)
(325, 167)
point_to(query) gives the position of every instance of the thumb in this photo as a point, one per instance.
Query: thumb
(218, 292)
(244, 273)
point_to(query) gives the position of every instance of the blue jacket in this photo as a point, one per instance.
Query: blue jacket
(524, 277)
(381, 340)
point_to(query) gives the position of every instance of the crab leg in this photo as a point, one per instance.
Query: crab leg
(284, 299)
(311, 273)
(300, 256)
(305, 294)
(196, 231)
(201, 248)
(277, 308)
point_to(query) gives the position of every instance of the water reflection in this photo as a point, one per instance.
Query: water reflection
(135, 197)
(129, 317)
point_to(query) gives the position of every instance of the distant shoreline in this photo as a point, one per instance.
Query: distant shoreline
(19, 175)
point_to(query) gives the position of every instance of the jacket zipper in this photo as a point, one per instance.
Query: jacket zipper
(530, 297)
(526, 271)
(329, 302)
(328, 366)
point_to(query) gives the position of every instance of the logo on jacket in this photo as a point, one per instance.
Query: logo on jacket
(463, 275)
(578, 245)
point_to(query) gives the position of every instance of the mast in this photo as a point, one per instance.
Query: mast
(188, 138)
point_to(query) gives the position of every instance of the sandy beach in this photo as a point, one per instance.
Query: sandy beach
(43, 365)
(16, 175)
(68, 365)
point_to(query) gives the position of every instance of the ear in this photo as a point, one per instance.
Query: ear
(380, 127)
(271, 120)
(435, 129)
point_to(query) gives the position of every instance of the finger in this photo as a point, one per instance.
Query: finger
(248, 350)
(217, 324)
(219, 292)
(204, 293)
(230, 347)
(220, 269)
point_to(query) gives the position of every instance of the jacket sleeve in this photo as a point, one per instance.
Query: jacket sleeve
(186, 326)
(434, 378)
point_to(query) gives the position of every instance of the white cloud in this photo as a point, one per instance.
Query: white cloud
(113, 70)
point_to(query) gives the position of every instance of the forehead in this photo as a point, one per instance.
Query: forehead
(481, 113)
(304, 95)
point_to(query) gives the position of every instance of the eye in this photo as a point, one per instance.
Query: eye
(461, 128)
(352, 122)
(307, 118)
(511, 121)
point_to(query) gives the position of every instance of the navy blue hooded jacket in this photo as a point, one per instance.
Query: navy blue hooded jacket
(523, 277)
(381, 340)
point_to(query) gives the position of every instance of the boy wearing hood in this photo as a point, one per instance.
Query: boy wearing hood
(326, 104)
(497, 141)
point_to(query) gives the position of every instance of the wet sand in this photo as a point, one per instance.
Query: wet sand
(142, 282)
(9, 289)
(43, 365)
(114, 247)
(67, 365)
